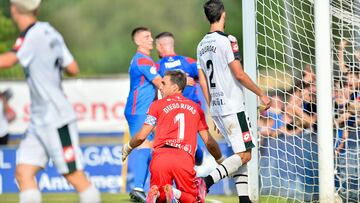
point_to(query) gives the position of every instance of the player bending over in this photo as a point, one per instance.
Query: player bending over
(177, 121)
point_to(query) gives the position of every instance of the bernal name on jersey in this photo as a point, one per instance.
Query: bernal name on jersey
(208, 48)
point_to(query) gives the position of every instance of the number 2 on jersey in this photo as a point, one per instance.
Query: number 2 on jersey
(210, 67)
(181, 126)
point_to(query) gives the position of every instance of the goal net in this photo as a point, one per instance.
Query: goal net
(288, 156)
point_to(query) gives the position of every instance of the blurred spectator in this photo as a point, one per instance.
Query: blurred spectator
(350, 83)
(7, 115)
(309, 106)
(275, 119)
(341, 97)
(308, 76)
(340, 141)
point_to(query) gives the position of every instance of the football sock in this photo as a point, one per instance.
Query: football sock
(30, 196)
(241, 181)
(141, 160)
(244, 199)
(90, 195)
(229, 166)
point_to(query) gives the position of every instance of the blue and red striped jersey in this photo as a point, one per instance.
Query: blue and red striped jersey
(188, 65)
(142, 92)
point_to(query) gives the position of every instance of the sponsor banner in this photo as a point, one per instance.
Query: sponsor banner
(102, 165)
(98, 103)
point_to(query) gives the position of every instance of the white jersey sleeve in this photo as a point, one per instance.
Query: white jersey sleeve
(27, 51)
(232, 49)
(229, 54)
(67, 57)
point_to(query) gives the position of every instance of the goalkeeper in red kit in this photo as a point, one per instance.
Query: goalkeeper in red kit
(177, 121)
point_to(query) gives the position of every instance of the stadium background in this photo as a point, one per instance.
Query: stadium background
(98, 34)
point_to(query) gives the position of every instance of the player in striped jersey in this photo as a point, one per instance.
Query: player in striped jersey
(218, 56)
(52, 131)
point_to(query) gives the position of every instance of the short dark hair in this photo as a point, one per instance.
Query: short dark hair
(177, 77)
(213, 10)
(137, 30)
(164, 34)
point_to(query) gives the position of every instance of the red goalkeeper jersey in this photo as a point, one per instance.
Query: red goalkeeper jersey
(177, 120)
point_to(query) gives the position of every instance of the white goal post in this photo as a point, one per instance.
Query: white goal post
(305, 54)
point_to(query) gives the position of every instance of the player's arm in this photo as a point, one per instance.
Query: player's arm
(72, 69)
(136, 141)
(157, 81)
(141, 136)
(191, 80)
(204, 86)
(246, 81)
(8, 59)
(211, 145)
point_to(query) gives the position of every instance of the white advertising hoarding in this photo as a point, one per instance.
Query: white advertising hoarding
(98, 103)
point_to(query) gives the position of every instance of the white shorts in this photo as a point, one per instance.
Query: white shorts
(59, 144)
(236, 130)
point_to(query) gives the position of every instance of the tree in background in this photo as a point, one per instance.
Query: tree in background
(98, 32)
(8, 34)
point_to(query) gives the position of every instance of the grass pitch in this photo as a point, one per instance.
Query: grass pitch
(106, 197)
(122, 198)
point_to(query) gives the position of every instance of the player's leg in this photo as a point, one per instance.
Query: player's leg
(31, 158)
(241, 175)
(139, 159)
(184, 177)
(88, 193)
(236, 131)
(25, 177)
(64, 149)
(241, 183)
(160, 171)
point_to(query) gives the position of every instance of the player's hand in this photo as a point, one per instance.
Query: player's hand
(190, 81)
(125, 151)
(265, 103)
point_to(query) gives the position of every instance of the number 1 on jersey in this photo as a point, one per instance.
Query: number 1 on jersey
(181, 130)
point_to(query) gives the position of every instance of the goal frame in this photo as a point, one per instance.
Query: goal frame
(323, 63)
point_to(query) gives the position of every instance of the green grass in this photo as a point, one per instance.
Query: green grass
(107, 198)
(124, 198)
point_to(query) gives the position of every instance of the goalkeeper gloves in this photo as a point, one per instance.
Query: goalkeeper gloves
(125, 151)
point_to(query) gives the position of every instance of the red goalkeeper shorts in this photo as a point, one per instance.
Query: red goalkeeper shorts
(172, 164)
